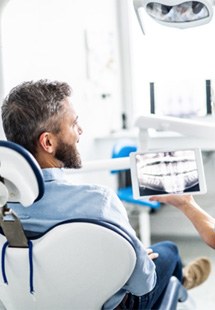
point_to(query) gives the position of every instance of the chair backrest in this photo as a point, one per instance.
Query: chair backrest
(77, 265)
(21, 180)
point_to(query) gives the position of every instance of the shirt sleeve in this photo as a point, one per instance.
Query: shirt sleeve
(143, 278)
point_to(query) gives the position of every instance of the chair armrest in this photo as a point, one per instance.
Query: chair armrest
(175, 292)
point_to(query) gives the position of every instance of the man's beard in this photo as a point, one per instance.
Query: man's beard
(68, 155)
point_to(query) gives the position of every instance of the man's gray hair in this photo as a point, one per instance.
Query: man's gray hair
(32, 108)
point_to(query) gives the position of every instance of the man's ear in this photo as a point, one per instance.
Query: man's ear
(46, 141)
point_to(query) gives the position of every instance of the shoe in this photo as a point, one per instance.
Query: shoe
(196, 272)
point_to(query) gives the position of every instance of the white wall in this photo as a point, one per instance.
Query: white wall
(71, 40)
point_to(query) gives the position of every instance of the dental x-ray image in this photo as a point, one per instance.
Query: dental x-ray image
(168, 172)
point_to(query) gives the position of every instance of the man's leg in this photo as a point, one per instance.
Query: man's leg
(167, 264)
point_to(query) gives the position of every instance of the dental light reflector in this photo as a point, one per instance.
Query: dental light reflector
(183, 12)
(175, 13)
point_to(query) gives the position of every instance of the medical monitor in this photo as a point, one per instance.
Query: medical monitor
(164, 172)
(181, 98)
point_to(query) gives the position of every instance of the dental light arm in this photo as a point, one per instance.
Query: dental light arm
(175, 13)
(204, 133)
(103, 164)
(186, 127)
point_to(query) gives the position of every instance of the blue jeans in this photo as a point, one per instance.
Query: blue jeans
(167, 264)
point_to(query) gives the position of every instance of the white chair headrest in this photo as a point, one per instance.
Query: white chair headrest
(22, 179)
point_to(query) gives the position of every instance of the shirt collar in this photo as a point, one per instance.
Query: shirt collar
(50, 174)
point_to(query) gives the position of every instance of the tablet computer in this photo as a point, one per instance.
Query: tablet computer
(165, 172)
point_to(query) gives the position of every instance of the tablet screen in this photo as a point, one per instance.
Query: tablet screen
(166, 172)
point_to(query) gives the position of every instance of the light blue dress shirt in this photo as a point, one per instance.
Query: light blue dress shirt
(63, 200)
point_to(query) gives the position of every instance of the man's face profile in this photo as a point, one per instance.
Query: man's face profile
(66, 149)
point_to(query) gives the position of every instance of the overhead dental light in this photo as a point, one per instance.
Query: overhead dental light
(175, 13)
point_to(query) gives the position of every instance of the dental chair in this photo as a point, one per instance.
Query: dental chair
(76, 265)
